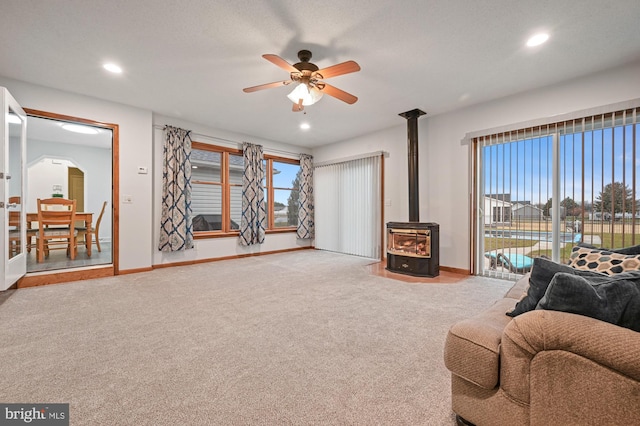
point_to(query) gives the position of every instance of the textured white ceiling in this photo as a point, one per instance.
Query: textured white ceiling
(191, 58)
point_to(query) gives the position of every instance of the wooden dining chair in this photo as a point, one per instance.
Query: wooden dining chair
(14, 215)
(95, 230)
(15, 245)
(56, 227)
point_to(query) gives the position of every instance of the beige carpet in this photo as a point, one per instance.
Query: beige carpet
(301, 338)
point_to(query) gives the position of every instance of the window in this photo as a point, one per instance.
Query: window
(588, 164)
(216, 197)
(282, 192)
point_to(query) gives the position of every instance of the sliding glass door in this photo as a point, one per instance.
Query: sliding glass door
(348, 211)
(542, 190)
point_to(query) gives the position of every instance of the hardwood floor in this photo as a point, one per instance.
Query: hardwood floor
(445, 277)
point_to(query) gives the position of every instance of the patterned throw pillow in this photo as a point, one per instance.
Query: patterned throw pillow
(603, 261)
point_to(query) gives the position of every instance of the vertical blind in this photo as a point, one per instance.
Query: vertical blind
(348, 207)
(543, 189)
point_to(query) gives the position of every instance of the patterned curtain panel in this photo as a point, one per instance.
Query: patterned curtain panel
(253, 213)
(176, 232)
(306, 225)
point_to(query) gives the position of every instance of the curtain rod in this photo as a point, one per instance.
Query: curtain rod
(553, 119)
(232, 142)
(352, 158)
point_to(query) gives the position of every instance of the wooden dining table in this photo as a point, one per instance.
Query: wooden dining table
(80, 216)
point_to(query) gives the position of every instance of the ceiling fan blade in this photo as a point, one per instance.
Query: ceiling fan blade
(266, 86)
(339, 69)
(339, 94)
(297, 107)
(277, 60)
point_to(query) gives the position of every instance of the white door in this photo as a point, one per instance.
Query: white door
(13, 135)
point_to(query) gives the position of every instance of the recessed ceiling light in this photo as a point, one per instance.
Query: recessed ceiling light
(305, 126)
(537, 39)
(78, 128)
(112, 68)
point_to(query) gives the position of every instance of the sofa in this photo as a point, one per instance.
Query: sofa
(545, 365)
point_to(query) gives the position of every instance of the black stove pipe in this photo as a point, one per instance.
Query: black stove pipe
(412, 151)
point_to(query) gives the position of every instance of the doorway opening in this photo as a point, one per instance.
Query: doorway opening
(73, 158)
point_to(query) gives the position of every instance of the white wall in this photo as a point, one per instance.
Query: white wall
(41, 176)
(444, 160)
(215, 247)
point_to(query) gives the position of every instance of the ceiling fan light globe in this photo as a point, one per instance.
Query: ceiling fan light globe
(316, 95)
(309, 97)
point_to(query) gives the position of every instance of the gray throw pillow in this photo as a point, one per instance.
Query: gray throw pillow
(542, 273)
(614, 299)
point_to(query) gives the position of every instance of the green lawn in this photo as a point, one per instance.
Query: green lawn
(564, 253)
(491, 243)
(617, 241)
(608, 241)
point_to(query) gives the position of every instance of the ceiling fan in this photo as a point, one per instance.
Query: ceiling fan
(311, 87)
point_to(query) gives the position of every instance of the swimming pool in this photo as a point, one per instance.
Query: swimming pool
(565, 237)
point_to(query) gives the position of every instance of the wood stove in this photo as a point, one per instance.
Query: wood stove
(410, 248)
(413, 248)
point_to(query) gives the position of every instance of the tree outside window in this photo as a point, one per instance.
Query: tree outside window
(285, 189)
(617, 198)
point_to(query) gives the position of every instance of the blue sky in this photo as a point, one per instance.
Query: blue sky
(284, 179)
(523, 168)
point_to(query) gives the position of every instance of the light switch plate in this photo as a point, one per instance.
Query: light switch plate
(142, 170)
